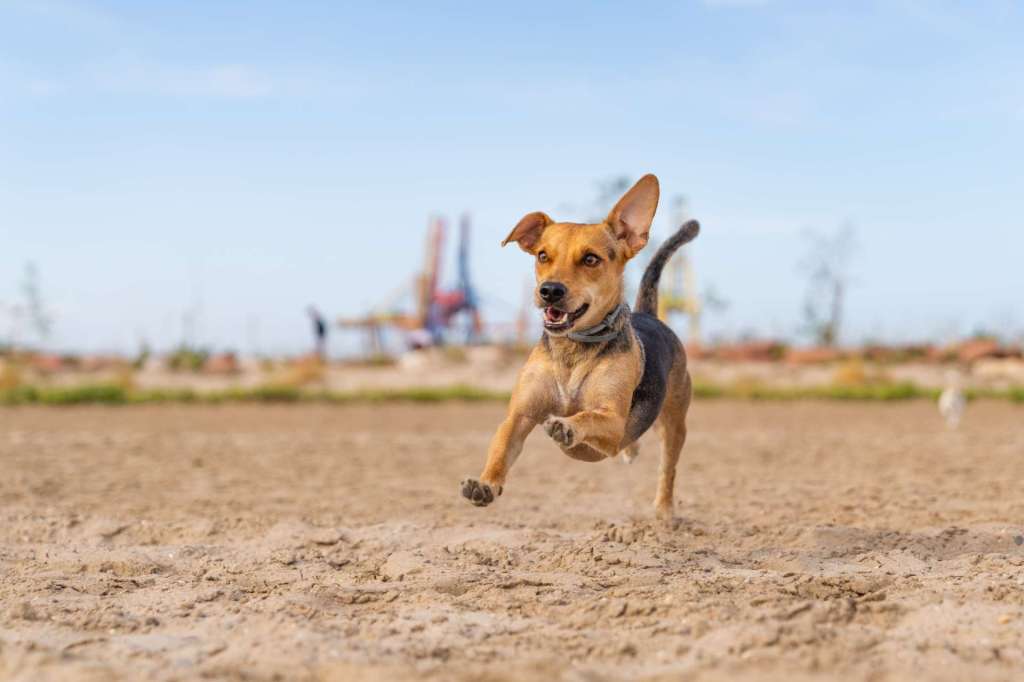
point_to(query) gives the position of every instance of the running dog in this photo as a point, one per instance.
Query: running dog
(601, 374)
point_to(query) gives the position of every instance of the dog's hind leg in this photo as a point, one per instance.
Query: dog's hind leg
(671, 425)
(673, 437)
(630, 452)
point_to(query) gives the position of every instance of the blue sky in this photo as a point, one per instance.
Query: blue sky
(253, 157)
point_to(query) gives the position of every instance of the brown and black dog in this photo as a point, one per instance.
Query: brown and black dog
(601, 374)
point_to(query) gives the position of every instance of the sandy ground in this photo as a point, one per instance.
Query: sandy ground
(814, 541)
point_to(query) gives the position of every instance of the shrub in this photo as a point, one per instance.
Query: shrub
(187, 358)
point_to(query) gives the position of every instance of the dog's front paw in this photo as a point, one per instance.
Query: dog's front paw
(560, 431)
(479, 494)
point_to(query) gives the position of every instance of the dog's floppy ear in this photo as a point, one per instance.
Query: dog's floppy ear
(631, 218)
(527, 232)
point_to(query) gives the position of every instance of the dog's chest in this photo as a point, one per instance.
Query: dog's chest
(569, 384)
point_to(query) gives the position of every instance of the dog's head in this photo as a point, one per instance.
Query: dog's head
(579, 266)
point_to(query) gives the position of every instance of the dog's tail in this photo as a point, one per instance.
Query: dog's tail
(647, 296)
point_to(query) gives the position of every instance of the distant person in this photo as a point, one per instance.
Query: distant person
(953, 401)
(420, 339)
(319, 331)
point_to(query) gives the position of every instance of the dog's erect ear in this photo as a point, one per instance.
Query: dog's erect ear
(527, 232)
(631, 218)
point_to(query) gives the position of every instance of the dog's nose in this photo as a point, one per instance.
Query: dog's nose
(552, 292)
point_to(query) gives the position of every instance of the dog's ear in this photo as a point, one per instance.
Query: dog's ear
(631, 218)
(527, 232)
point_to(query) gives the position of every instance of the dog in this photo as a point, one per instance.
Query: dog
(601, 374)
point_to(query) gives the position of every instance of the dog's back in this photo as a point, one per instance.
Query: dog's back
(661, 349)
(664, 358)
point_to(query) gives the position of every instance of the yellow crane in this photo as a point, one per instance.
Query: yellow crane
(678, 292)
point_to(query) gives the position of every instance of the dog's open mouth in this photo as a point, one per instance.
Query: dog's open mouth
(556, 319)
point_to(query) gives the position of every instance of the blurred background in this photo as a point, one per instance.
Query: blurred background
(221, 192)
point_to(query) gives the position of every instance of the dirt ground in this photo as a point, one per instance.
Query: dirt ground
(814, 541)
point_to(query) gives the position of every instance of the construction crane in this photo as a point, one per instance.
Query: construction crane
(523, 318)
(435, 309)
(441, 307)
(678, 293)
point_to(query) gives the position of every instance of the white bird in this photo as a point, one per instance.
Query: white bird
(952, 401)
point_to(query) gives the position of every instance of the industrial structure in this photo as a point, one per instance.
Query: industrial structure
(678, 292)
(426, 314)
(436, 312)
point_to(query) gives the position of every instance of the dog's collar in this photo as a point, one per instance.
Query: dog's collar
(604, 330)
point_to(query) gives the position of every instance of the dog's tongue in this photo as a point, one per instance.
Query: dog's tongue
(553, 315)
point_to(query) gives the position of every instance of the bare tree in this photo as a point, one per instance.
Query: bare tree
(39, 319)
(606, 193)
(30, 311)
(827, 265)
(7, 317)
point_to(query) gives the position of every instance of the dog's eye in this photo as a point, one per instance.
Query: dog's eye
(542, 256)
(591, 260)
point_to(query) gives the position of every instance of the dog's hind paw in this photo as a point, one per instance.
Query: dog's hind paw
(479, 494)
(560, 432)
(630, 452)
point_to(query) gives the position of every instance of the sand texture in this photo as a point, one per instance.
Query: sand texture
(813, 541)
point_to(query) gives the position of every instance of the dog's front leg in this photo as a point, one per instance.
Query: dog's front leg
(505, 448)
(597, 430)
(590, 435)
(531, 402)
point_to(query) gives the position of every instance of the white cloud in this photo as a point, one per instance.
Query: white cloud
(43, 87)
(224, 81)
(778, 108)
(124, 73)
(234, 81)
(79, 16)
(735, 3)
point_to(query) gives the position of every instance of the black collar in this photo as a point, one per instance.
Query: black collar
(604, 330)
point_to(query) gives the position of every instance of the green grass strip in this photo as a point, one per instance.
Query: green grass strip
(112, 394)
